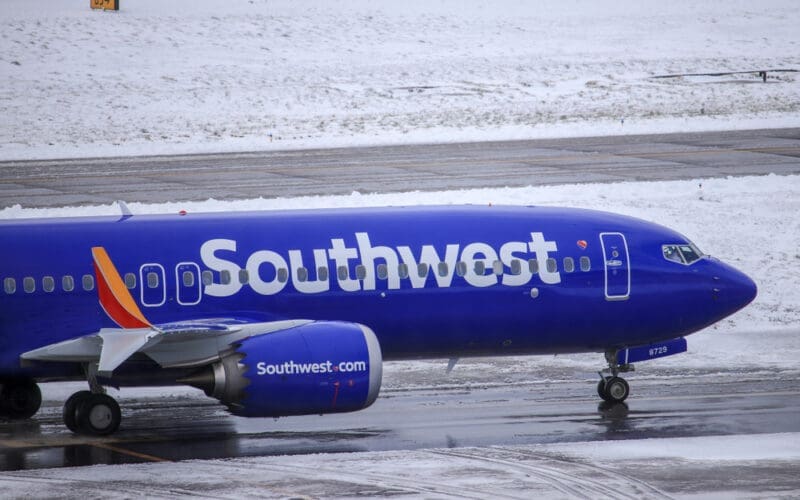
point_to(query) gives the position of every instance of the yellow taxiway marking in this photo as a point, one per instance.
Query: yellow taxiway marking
(13, 444)
(123, 451)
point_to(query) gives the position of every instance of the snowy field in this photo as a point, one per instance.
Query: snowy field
(212, 75)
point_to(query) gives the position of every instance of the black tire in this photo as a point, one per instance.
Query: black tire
(601, 388)
(98, 415)
(20, 398)
(71, 409)
(616, 390)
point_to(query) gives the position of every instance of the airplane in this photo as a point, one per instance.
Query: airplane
(280, 313)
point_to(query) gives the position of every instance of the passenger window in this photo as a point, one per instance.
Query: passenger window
(207, 277)
(422, 270)
(552, 266)
(343, 272)
(244, 276)
(444, 269)
(322, 273)
(68, 283)
(361, 272)
(480, 268)
(402, 271)
(10, 285)
(283, 275)
(29, 285)
(461, 268)
(569, 264)
(225, 277)
(188, 279)
(516, 267)
(48, 284)
(383, 271)
(497, 267)
(130, 280)
(302, 274)
(88, 282)
(152, 280)
(586, 264)
(533, 266)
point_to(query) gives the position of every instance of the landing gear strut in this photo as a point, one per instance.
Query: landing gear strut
(613, 388)
(20, 398)
(92, 412)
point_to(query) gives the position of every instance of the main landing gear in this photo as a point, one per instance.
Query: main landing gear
(92, 412)
(613, 388)
(20, 398)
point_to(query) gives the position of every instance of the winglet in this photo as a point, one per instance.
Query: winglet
(113, 294)
(126, 212)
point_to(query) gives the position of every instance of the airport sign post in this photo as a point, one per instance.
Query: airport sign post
(104, 4)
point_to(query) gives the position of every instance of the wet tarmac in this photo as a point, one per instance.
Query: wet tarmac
(189, 426)
(54, 183)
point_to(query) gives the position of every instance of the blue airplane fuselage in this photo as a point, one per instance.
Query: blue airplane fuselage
(429, 281)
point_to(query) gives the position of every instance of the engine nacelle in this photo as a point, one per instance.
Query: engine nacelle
(319, 367)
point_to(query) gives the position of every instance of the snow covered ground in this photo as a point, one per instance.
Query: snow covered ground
(212, 75)
(608, 469)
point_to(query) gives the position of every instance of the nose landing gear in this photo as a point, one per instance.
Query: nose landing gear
(612, 388)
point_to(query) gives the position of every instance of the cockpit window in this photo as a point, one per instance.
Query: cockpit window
(682, 253)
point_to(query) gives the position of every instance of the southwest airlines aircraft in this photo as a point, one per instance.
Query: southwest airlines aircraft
(292, 313)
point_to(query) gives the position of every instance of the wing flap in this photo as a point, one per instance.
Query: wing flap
(119, 345)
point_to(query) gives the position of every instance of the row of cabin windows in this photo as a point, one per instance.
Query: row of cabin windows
(48, 284)
(343, 273)
(87, 282)
(382, 270)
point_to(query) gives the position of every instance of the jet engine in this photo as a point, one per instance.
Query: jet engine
(319, 367)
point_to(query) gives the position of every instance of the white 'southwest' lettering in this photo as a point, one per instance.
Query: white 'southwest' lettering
(541, 247)
(208, 253)
(292, 368)
(479, 263)
(278, 265)
(341, 255)
(307, 285)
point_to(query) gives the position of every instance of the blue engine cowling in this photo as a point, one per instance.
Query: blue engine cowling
(319, 367)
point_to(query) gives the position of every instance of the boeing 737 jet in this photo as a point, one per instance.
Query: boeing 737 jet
(294, 312)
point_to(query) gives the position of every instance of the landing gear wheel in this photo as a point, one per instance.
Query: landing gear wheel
(601, 388)
(71, 409)
(98, 415)
(19, 398)
(616, 390)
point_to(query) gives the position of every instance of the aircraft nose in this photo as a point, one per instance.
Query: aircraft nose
(732, 288)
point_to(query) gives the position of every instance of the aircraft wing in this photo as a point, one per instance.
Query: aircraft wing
(170, 345)
(181, 344)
